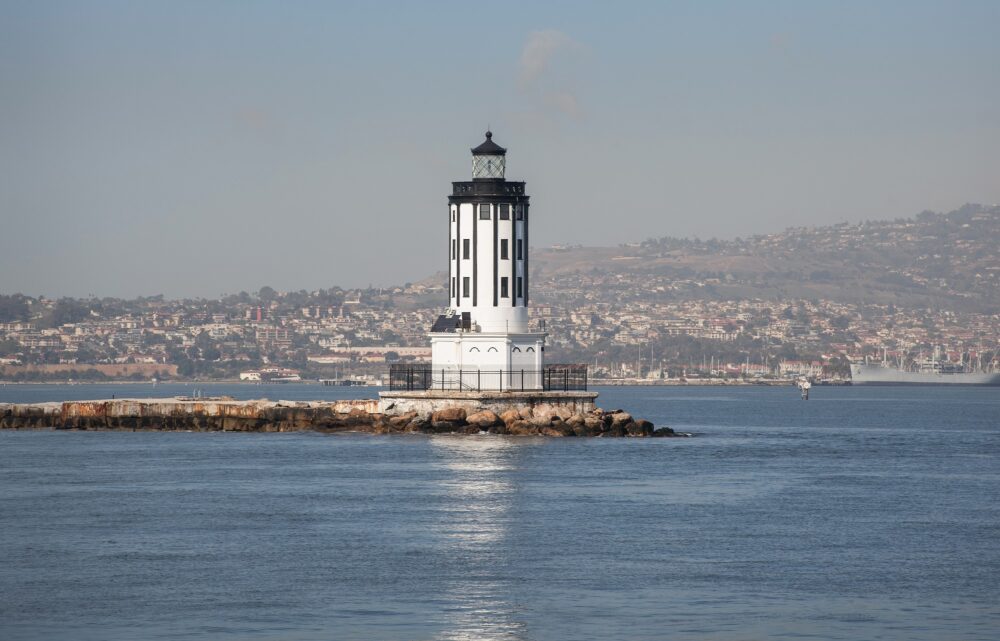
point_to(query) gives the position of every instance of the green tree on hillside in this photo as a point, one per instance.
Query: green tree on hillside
(14, 308)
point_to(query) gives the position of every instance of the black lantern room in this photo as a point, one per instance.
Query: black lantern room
(488, 160)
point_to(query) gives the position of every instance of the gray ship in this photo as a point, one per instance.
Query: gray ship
(930, 371)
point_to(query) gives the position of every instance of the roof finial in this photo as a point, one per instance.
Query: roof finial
(488, 147)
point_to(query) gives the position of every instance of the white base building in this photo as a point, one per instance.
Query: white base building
(488, 360)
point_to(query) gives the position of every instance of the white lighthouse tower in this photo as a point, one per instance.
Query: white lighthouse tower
(484, 354)
(483, 340)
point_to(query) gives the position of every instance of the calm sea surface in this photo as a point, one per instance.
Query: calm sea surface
(863, 513)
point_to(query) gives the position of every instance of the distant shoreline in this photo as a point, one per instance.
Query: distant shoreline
(593, 382)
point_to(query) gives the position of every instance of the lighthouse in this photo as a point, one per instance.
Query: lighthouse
(483, 339)
(485, 355)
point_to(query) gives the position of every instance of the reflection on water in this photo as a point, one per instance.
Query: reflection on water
(474, 525)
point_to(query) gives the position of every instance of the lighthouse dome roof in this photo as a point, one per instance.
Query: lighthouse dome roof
(488, 147)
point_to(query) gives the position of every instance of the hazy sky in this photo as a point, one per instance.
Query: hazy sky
(200, 148)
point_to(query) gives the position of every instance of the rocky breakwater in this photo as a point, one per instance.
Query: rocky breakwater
(528, 422)
(184, 414)
(228, 415)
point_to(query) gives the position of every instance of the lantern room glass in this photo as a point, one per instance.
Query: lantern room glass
(487, 166)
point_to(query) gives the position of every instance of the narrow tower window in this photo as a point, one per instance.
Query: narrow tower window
(503, 249)
(504, 292)
(465, 248)
(484, 212)
(520, 253)
(519, 212)
(504, 212)
(454, 248)
(453, 286)
(520, 290)
(465, 286)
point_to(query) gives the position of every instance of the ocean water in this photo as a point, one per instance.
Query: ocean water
(863, 513)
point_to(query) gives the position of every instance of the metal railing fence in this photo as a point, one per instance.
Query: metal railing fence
(561, 377)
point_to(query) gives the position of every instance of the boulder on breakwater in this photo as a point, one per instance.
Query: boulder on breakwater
(228, 415)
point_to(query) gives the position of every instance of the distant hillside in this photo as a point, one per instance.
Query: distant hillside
(933, 260)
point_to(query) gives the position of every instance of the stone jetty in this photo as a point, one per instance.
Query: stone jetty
(228, 415)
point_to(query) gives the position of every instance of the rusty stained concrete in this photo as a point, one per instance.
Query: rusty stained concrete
(429, 401)
(133, 407)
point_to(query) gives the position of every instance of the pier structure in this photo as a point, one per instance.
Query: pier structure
(541, 414)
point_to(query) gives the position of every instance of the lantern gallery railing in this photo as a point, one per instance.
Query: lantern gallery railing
(563, 378)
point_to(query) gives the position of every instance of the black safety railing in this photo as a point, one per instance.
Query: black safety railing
(571, 377)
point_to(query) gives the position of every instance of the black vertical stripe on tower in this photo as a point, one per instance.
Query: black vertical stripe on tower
(512, 252)
(525, 267)
(475, 255)
(496, 243)
(451, 259)
(458, 254)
